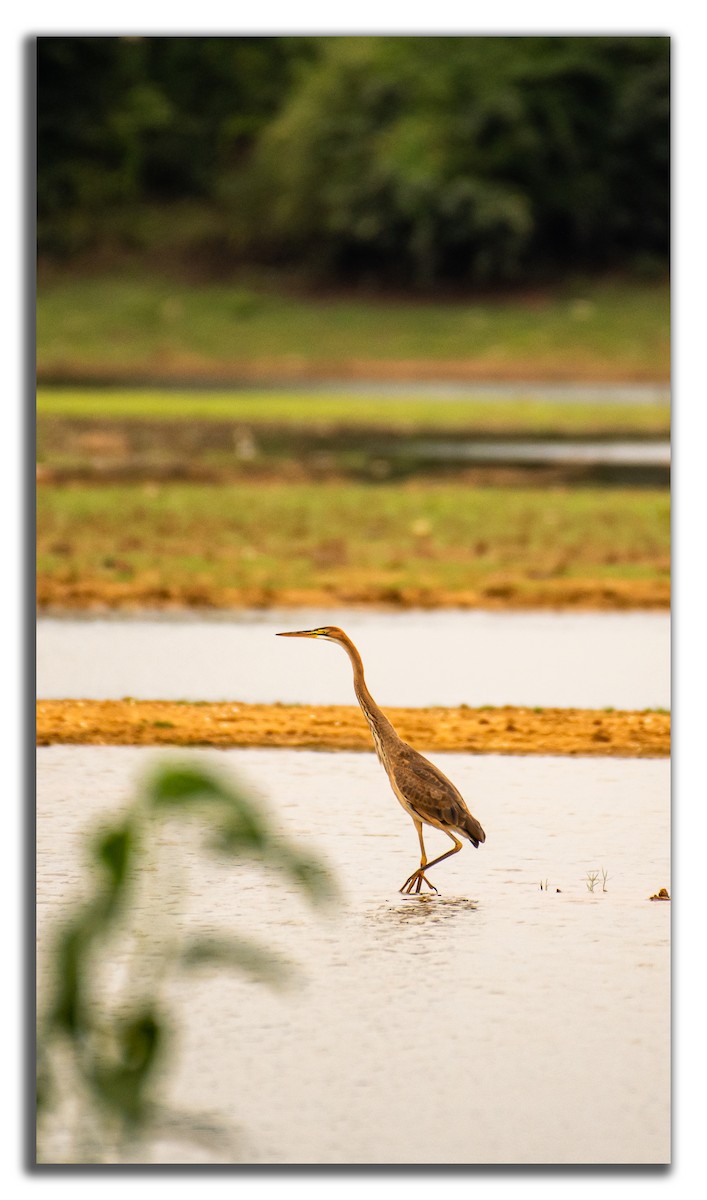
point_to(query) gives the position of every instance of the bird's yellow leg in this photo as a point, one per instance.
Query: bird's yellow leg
(418, 877)
(415, 881)
(457, 848)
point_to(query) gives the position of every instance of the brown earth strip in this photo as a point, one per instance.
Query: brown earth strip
(171, 368)
(508, 730)
(88, 594)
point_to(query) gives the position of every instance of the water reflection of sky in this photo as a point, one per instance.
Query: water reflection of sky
(590, 660)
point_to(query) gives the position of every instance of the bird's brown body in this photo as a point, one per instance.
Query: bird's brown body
(424, 791)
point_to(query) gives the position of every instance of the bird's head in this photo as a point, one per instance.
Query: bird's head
(331, 633)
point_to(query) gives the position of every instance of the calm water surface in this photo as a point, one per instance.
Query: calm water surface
(494, 1023)
(591, 660)
(635, 453)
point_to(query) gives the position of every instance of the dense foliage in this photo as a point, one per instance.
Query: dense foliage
(419, 159)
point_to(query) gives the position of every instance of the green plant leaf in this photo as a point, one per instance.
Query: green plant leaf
(265, 965)
(66, 1011)
(113, 1053)
(120, 1081)
(310, 875)
(181, 786)
(113, 850)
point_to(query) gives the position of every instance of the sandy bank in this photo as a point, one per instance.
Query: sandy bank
(480, 731)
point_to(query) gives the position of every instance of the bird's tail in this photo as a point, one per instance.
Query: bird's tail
(472, 830)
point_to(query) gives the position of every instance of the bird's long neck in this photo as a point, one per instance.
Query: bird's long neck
(379, 724)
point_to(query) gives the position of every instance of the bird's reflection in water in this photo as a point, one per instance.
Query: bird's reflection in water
(424, 909)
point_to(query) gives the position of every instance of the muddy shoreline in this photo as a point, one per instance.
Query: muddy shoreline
(507, 730)
(192, 369)
(58, 596)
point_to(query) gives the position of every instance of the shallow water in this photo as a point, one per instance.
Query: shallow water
(494, 1023)
(591, 660)
(619, 453)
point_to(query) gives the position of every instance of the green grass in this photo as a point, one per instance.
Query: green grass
(322, 409)
(591, 329)
(297, 536)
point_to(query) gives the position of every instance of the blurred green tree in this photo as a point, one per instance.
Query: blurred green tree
(122, 120)
(407, 159)
(443, 158)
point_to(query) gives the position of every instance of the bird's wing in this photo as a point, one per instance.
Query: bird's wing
(433, 797)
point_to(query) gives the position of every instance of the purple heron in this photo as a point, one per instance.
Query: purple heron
(425, 793)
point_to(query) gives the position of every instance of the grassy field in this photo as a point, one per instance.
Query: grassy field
(140, 327)
(529, 414)
(273, 542)
(437, 543)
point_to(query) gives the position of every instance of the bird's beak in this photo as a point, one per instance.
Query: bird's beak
(299, 633)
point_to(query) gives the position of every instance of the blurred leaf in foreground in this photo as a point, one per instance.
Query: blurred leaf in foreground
(98, 1054)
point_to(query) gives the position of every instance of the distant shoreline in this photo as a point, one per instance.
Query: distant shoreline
(84, 595)
(295, 371)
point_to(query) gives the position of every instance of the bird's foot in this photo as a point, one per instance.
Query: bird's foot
(416, 881)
